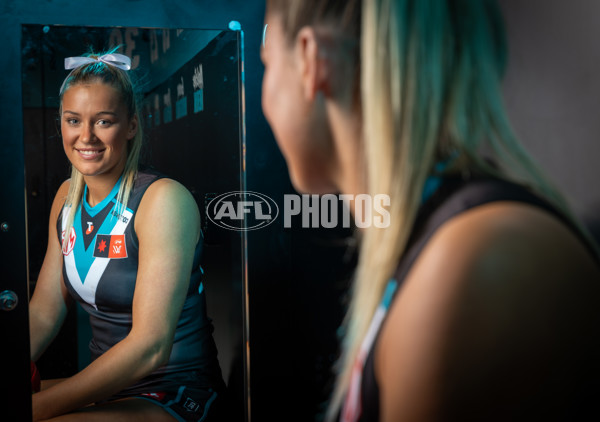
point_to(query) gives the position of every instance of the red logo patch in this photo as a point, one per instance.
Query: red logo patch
(117, 246)
(68, 246)
(110, 246)
(157, 396)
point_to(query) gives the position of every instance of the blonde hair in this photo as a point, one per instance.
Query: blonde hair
(430, 76)
(100, 72)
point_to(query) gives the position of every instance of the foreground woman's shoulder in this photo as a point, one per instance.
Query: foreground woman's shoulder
(513, 239)
(505, 254)
(502, 295)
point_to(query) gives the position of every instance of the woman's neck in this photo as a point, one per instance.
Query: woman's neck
(99, 187)
(348, 174)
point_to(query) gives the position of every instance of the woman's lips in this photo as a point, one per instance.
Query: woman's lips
(90, 154)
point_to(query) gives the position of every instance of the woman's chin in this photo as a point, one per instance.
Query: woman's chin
(312, 184)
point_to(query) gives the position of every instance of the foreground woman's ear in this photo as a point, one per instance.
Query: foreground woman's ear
(313, 62)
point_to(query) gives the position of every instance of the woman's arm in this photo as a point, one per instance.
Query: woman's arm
(50, 300)
(495, 319)
(167, 224)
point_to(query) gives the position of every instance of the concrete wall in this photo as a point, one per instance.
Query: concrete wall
(553, 92)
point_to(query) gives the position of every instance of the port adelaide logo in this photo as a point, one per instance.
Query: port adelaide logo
(242, 210)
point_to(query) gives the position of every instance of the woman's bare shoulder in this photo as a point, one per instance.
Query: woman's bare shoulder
(59, 199)
(508, 241)
(165, 189)
(167, 200)
(490, 293)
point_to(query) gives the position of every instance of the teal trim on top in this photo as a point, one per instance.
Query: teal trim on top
(388, 294)
(434, 181)
(92, 211)
(85, 258)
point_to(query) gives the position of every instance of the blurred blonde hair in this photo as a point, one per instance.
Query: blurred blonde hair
(99, 72)
(430, 88)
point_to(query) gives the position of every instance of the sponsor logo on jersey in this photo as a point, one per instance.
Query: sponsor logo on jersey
(90, 227)
(68, 246)
(119, 216)
(190, 405)
(110, 246)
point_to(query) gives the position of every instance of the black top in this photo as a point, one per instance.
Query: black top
(454, 196)
(100, 271)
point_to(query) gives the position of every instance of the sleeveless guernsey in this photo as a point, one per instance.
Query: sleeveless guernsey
(100, 270)
(452, 197)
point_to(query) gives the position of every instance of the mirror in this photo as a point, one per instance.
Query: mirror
(192, 84)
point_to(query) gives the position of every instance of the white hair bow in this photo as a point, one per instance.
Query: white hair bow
(117, 60)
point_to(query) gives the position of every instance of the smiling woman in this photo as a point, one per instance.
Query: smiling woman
(99, 125)
(126, 245)
(96, 128)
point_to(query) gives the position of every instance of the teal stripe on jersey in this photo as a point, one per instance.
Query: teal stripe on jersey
(85, 258)
(92, 211)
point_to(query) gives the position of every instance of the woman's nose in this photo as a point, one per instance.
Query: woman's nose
(87, 133)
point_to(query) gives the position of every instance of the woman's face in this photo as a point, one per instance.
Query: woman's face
(96, 129)
(299, 123)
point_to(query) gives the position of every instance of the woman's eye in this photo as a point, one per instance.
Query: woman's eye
(104, 122)
(72, 121)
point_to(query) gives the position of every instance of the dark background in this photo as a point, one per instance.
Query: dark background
(200, 147)
(296, 277)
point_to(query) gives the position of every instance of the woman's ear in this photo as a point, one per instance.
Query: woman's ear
(313, 63)
(133, 127)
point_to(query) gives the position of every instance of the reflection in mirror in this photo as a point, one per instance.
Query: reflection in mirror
(193, 123)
